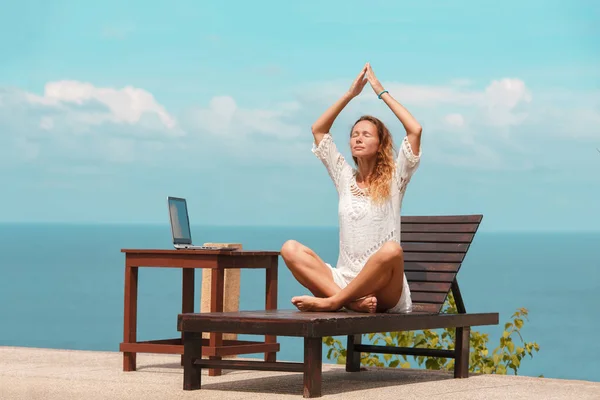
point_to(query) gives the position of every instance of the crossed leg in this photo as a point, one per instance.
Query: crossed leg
(379, 283)
(312, 273)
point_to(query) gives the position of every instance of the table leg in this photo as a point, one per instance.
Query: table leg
(217, 281)
(130, 316)
(271, 302)
(187, 294)
(192, 350)
(353, 356)
(313, 348)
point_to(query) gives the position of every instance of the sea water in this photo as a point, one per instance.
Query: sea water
(61, 286)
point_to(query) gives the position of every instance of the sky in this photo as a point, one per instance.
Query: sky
(108, 108)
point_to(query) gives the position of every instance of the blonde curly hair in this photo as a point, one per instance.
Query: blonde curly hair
(379, 186)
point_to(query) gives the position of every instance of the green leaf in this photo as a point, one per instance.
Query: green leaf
(431, 363)
(511, 346)
(516, 361)
(481, 359)
(519, 323)
(496, 359)
(329, 353)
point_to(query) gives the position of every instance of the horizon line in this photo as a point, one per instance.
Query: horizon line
(166, 224)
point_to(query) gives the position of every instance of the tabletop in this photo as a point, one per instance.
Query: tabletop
(202, 252)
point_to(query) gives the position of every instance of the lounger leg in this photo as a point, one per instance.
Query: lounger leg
(353, 356)
(462, 346)
(192, 350)
(313, 348)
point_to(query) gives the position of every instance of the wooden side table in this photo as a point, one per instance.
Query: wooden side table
(215, 347)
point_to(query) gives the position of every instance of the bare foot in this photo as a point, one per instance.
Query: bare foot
(367, 304)
(309, 303)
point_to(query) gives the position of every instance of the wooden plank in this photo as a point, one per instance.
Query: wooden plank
(319, 324)
(250, 365)
(409, 351)
(130, 316)
(271, 277)
(462, 345)
(436, 237)
(430, 276)
(435, 247)
(237, 253)
(171, 261)
(435, 257)
(442, 219)
(312, 368)
(399, 323)
(428, 297)
(426, 307)
(352, 354)
(460, 305)
(192, 375)
(439, 228)
(175, 346)
(249, 348)
(431, 267)
(437, 287)
(151, 348)
(217, 288)
(176, 341)
(249, 262)
(187, 293)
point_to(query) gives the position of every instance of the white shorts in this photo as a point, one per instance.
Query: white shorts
(404, 304)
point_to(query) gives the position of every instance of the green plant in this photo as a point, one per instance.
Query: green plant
(507, 355)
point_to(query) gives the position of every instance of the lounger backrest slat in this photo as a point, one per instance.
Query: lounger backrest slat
(434, 249)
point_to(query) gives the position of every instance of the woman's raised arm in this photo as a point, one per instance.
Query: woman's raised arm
(323, 124)
(411, 125)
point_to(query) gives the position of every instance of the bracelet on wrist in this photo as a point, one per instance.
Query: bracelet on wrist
(382, 92)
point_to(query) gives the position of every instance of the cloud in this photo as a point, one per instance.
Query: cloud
(501, 103)
(454, 120)
(489, 126)
(224, 117)
(467, 124)
(128, 105)
(280, 132)
(224, 130)
(77, 120)
(494, 126)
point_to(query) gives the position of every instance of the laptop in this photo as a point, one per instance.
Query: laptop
(180, 226)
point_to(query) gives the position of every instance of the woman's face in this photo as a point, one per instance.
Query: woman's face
(364, 141)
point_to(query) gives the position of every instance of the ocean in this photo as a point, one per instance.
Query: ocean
(61, 286)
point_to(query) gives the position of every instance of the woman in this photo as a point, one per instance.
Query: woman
(369, 275)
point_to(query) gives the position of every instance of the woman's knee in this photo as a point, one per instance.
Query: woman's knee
(392, 251)
(290, 249)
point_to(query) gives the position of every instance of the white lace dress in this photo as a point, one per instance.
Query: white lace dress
(364, 225)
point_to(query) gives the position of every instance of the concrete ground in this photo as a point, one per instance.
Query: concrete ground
(29, 373)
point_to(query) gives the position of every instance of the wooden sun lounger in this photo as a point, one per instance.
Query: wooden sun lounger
(434, 249)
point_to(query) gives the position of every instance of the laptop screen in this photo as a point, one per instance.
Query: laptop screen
(180, 224)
